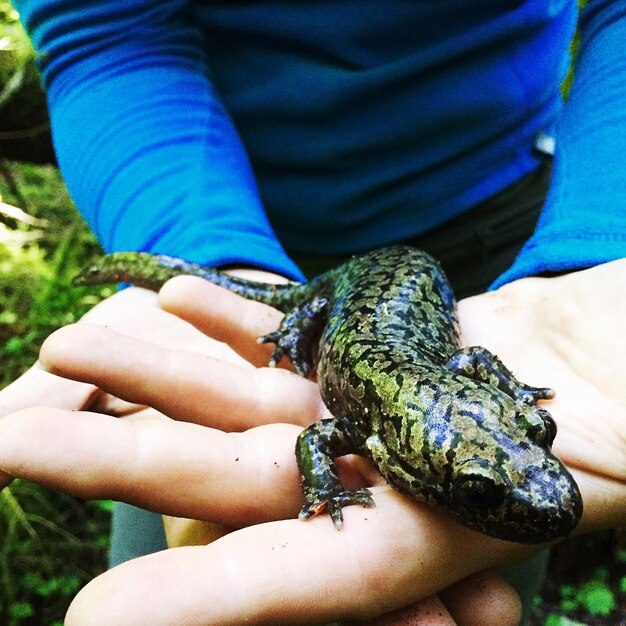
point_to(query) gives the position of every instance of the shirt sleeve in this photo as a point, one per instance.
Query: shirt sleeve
(584, 220)
(148, 152)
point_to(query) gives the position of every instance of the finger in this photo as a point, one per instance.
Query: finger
(222, 315)
(483, 594)
(428, 612)
(175, 468)
(290, 572)
(36, 387)
(135, 312)
(200, 389)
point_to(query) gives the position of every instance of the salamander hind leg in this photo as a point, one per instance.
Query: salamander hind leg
(316, 449)
(480, 364)
(298, 335)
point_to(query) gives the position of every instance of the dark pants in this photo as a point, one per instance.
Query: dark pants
(474, 249)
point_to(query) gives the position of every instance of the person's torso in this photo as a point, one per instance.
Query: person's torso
(366, 121)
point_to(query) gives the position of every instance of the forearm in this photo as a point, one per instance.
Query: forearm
(149, 154)
(584, 220)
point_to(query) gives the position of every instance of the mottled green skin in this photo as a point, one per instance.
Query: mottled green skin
(445, 425)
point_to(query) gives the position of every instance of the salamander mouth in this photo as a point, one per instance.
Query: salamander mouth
(533, 528)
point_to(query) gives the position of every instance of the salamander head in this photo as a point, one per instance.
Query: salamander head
(485, 459)
(541, 502)
(506, 482)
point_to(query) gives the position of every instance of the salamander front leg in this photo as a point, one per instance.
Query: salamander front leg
(316, 449)
(298, 335)
(480, 364)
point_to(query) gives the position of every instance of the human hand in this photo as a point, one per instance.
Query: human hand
(133, 312)
(112, 349)
(447, 555)
(97, 457)
(570, 333)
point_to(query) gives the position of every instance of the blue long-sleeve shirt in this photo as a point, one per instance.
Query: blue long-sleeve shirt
(215, 130)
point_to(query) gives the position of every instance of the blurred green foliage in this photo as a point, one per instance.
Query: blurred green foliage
(24, 124)
(51, 545)
(39, 253)
(15, 47)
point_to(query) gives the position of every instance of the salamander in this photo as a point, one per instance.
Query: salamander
(445, 424)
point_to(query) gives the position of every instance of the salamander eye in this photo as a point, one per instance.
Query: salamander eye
(543, 430)
(550, 425)
(478, 486)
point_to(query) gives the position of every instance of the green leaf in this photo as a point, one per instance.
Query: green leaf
(32, 580)
(21, 610)
(568, 591)
(597, 598)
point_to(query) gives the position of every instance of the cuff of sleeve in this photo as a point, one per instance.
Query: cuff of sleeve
(561, 251)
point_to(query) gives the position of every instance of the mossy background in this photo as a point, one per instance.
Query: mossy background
(52, 544)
